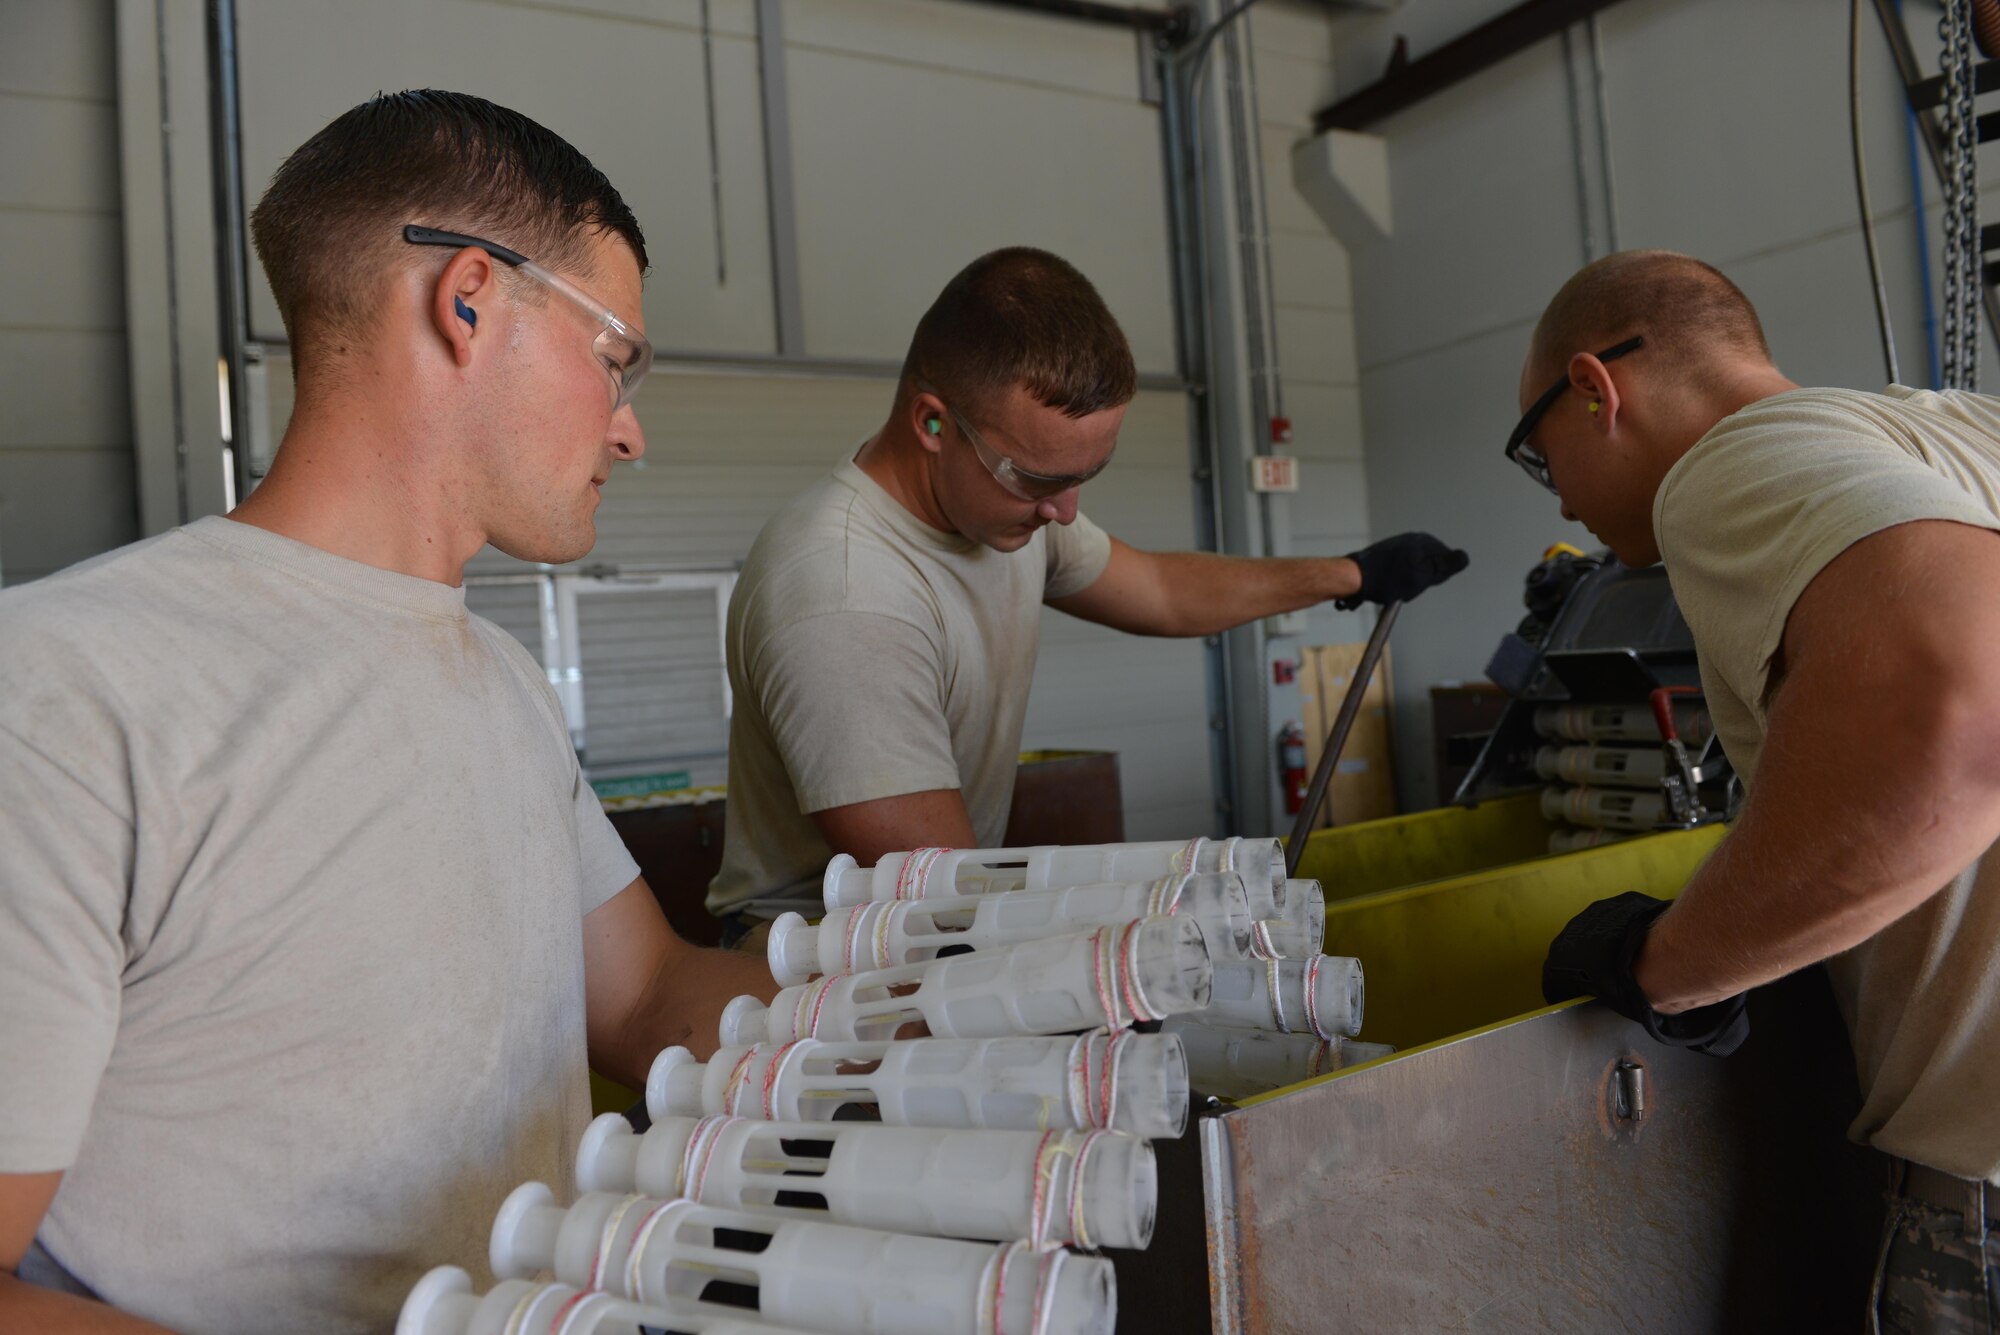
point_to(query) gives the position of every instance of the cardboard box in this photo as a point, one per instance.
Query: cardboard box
(1364, 784)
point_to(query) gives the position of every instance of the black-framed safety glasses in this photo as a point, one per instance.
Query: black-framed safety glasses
(624, 351)
(1530, 459)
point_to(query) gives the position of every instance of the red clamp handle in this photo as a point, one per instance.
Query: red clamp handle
(1662, 701)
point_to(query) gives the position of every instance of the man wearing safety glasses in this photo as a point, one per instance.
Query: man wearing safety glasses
(1835, 554)
(883, 635)
(307, 917)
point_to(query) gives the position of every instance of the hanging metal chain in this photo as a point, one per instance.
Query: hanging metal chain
(1952, 222)
(1971, 278)
(1962, 276)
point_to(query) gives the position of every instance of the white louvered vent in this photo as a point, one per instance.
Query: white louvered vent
(635, 657)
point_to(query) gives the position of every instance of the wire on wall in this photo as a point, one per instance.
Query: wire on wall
(1910, 131)
(714, 144)
(1861, 193)
(1604, 130)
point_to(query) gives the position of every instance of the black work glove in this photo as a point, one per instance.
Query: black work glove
(1594, 955)
(1398, 569)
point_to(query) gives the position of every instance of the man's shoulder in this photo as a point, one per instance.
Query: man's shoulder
(522, 666)
(109, 594)
(1894, 418)
(1804, 409)
(1798, 432)
(99, 641)
(1762, 503)
(825, 552)
(1809, 439)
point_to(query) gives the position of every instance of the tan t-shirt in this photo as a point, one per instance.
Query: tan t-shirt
(294, 859)
(1745, 521)
(872, 655)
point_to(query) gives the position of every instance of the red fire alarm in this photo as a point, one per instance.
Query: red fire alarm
(1281, 430)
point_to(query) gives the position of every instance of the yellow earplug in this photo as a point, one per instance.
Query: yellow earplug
(1594, 405)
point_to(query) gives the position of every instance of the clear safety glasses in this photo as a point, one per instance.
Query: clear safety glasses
(1019, 482)
(1527, 456)
(623, 351)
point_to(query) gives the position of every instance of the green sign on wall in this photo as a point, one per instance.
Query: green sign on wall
(638, 785)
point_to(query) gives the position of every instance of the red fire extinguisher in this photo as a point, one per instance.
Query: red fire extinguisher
(1292, 774)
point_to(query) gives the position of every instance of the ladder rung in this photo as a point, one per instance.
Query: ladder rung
(1993, 273)
(1988, 126)
(1989, 237)
(1927, 94)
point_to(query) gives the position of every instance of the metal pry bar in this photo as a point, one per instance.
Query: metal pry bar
(1336, 741)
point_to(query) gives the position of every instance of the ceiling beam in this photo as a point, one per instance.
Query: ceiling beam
(1457, 60)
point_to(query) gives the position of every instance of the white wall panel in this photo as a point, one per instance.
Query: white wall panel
(61, 153)
(1326, 420)
(1694, 180)
(62, 50)
(988, 42)
(66, 469)
(621, 81)
(62, 505)
(1290, 86)
(1338, 491)
(64, 387)
(1317, 344)
(1481, 223)
(968, 132)
(63, 272)
(1308, 267)
(1294, 30)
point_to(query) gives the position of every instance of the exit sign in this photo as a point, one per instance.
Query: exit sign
(1274, 472)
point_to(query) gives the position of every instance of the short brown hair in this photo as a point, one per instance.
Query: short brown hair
(330, 227)
(1022, 316)
(1685, 309)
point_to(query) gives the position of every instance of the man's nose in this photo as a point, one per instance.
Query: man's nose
(1568, 513)
(628, 439)
(1059, 508)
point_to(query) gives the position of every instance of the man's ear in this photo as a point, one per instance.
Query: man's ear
(1592, 379)
(927, 420)
(465, 289)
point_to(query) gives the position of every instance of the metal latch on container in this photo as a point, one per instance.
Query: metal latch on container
(1628, 1091)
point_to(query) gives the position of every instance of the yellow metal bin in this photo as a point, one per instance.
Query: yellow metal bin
(1515, 1166)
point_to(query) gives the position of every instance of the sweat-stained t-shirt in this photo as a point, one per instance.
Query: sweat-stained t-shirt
(871, 655)
(294, 860)
(1745, 521)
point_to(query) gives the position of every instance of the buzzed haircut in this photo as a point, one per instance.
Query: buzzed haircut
(1022, 316)
(1685, 309)
(330, 229)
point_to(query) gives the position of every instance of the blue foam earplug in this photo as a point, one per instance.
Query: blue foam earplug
(465, 312)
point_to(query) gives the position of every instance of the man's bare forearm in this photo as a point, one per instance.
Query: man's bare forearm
(1880, 775)
(1758, 911)
(1841, 838)
(26, 1307)
(1212, 593)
